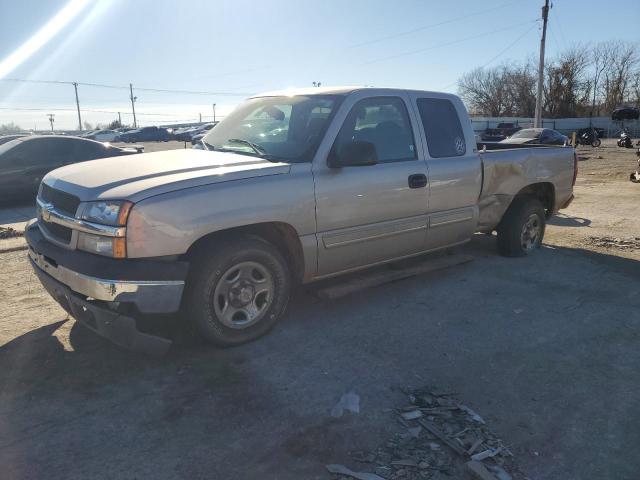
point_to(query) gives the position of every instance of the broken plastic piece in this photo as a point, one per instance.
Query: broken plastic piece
(342, 470)
(349, 402)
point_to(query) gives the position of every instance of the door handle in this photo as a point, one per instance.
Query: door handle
(417, 180)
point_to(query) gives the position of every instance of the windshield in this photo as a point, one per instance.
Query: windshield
(286, 129)
(527, 133)
(9, 145)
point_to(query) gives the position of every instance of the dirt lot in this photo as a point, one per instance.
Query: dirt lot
(544, 348)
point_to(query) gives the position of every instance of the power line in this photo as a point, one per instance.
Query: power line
(495, 57)
(122, 87)
(122, 111)
(509, 47)
(433, 25)
(413, 52)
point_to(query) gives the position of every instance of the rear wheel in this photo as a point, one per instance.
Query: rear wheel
(522, 228)
(596, 143)
(237, 290)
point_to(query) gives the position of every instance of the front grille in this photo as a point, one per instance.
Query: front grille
(60, 233)
(62, 201)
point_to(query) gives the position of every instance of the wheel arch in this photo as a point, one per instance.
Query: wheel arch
(280, 234)
(543, 191)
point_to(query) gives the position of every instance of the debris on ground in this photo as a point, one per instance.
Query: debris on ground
(349, 402)
(619, 243)
(342, 470)
(440, 438)
(8, 232)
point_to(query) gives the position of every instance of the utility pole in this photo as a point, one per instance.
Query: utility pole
(51, 119)
(75, 86)
(200, 115)
(133, 106)
(545, 16)
(119, 119)
(214, 112)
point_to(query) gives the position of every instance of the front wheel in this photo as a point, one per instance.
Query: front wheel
(522, 228)
(237, 291)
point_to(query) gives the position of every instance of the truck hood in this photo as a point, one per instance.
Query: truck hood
(136, 177)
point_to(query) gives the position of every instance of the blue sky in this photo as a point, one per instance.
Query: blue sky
(243, 47)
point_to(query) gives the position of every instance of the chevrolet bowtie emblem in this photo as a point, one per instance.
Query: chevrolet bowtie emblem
(46, 212)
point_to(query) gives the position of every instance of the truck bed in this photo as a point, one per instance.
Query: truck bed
(506, 171)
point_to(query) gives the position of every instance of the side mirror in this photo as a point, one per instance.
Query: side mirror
(354, 154)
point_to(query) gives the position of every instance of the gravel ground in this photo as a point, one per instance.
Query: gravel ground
(544, 348)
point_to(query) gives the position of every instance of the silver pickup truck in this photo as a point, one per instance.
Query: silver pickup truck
(290, 188)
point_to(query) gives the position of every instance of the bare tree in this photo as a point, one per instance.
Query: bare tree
(565, 89)
(580, 81)
(635, 88)
(521, 83)
(618, 74)
(506, 90)
(9, 128)
(483, 91)
(601, 56)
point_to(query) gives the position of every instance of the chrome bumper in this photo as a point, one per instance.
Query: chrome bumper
(147, 296)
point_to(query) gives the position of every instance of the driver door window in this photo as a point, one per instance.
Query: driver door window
(384, 122)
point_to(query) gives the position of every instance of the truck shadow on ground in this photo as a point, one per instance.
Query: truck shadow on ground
(561, 220)
(368, 341)
(39, 356)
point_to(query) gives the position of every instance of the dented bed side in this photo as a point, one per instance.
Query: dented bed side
(508, 172)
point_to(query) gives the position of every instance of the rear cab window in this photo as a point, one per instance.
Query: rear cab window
(442, 128)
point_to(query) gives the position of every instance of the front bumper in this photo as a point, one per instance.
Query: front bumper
(152, 286)
(93, 289)
(120, 329)
(147, 296)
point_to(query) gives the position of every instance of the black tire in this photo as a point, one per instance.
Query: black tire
(596, 143)
(212, 267)
(511, 229)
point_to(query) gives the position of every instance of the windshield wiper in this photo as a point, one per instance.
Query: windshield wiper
(257, 149)
(254, 146)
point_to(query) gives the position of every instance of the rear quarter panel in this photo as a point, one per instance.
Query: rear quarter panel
(506, 172)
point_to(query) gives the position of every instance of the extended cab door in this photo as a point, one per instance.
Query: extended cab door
(368, 214)
(455, 169)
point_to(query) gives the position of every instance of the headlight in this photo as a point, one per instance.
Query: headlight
(113, 213)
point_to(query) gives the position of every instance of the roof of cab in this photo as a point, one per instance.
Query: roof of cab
(290, 92)
(341, 91)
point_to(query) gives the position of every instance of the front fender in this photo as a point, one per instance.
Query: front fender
(170, 223)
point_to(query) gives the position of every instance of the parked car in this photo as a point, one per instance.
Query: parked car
(502, 131)
(625, 113)
(199, 134)
(146, 134)
(104, 135)
(24, 161)
(541, 136)
(7, 138)
(184, 134)
(294, 187)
